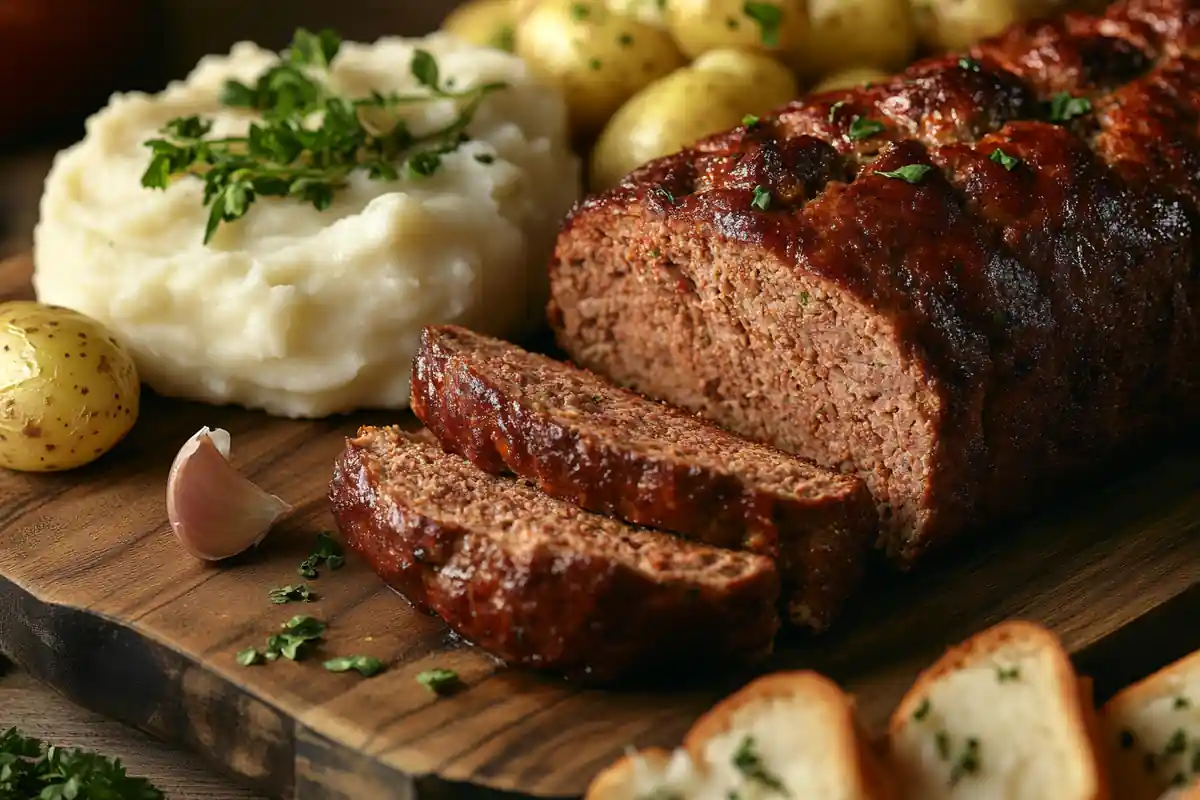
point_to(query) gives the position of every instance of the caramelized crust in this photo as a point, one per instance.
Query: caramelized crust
(963, 342)
(607, 450)
(536, 581)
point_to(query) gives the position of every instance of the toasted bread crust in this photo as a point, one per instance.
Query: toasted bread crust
(540, 603)
(612, 783)
(1077, 692)
(873, 781)
(821, 541)
(1150, 687)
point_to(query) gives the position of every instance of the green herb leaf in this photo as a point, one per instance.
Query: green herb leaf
(505, 39)
(580, 11)
(967, 762)
(910, 173)
(747, 761)
(769, 18)
(425, 68)
(309, 139)
(485, 158)
(749, 120)
(1006, 674)
(1004, 159)
(922, 711)
(29, 769)
(367, 666)
(833, 109)
(969, 64)
(1181, 703)
(249, 657)
(762, 198)
(438, 680)
(1064, 107)
(863, 128)
(287, 594)
(665, 194)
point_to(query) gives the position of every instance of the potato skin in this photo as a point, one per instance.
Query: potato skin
(599, 59)
(703, 25)
(958, 24)
(850, 79)
(710, 95)
(651, 12)
(856, 33)
(489, 23)
(68, 390)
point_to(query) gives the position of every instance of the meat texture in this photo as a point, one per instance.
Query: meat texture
(539, 582)
(965, 284)
(581, 439)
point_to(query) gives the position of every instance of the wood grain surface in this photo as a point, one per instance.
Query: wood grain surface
(97, 599)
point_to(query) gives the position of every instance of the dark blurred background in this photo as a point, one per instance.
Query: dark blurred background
(60, 60)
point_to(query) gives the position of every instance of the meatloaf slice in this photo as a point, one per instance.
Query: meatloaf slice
(539, 582)
(987, 286)
(608, 450)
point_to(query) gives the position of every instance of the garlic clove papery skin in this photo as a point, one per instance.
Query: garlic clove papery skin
(214, 510)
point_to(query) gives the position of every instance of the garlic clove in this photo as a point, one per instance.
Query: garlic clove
(215, 511)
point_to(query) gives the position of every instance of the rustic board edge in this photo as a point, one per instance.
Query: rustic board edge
(93, 660)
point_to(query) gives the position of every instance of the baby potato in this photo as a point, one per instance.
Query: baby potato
(856, 33)
(851, 78)
(774, 26)
(490, 23)
(958, 24)
(712, 94)
(651, 12)
(598, 58)
(68, 389)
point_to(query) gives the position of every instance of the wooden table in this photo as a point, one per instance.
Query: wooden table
(27, 704)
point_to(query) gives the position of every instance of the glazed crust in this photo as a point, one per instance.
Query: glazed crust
(1050, 308)
(821, 539)
(574, 611)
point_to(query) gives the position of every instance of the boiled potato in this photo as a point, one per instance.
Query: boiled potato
(491, 23)
(712, 94)
(68, 389)
(775, 26)
(856, 33)
(851, 78)
(651, 12)
(598, 58)
(958, 24)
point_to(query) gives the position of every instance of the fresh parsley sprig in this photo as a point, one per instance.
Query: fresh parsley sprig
(29, 768)
(308, 140)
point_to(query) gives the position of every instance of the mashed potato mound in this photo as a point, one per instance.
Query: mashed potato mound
(296, 311)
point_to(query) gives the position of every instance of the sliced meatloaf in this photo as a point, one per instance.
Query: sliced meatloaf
(965, 285)
(539, 582)
(582, 439)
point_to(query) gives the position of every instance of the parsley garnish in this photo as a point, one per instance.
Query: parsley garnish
(833, 109)
(1004, 674)
(665, 194)
(580, 11)
(505, 39)
(863, 128)
(328, 551)
(911, 173)
(769, 18)
(748, 762)
(922, 711)
(291, 642)
(287, 154)
(1064, 106)
(969, 64)
(438, 680)
(29, 768)
(762, 198)
(749, 120)
(249, 657)
(1181, 703)
(286, 594)
(967, 762)
(1004, 159)
(367, 666)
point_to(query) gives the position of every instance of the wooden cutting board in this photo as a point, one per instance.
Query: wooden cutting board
(97, 599)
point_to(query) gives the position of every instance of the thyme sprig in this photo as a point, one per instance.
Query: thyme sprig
(309, 139)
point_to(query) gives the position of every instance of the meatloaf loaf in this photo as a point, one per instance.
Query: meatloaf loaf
(608, 450)
(965, 284)
(540, 582)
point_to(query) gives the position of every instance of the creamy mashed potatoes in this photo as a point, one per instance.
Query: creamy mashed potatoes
(293, 310)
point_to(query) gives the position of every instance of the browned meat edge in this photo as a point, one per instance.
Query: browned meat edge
(965, 342)
(463, 392)
(552, 597)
